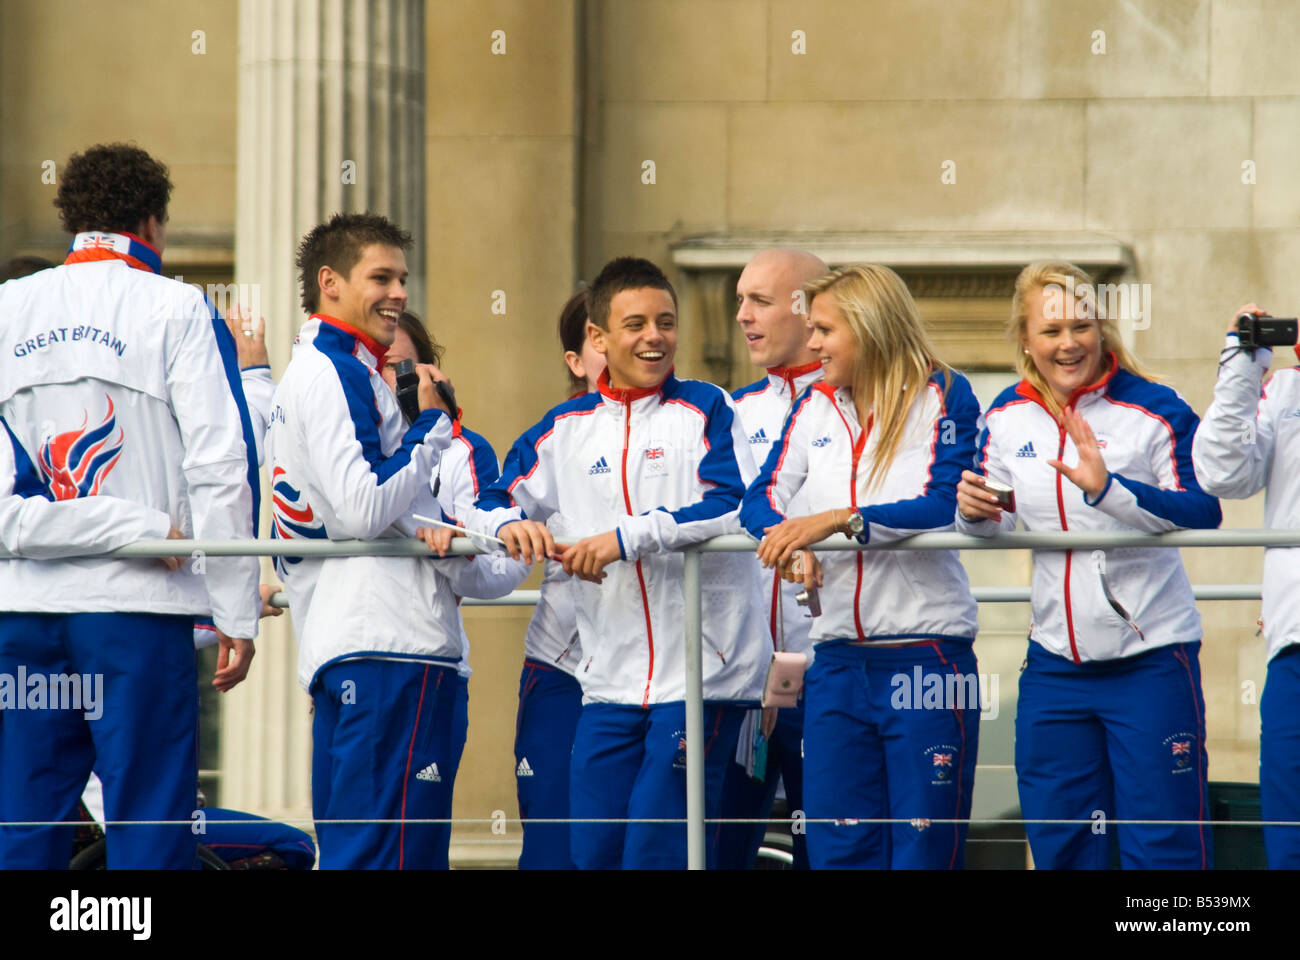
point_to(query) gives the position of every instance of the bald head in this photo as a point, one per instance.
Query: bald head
(771, 309)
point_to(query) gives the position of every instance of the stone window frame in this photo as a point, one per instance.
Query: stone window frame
(962, 283)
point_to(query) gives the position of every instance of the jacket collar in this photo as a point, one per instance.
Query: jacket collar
(1030, 392)
(628, 394)
(378, 352)
(103, 245)
(791, 376)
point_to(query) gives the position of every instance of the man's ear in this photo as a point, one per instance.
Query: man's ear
(327, 279)
(597, 336)
(151, 231)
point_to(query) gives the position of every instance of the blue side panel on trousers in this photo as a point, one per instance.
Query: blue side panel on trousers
(144, 741)
(745, 798)
(384, 748)
(1119, 739)
(550, 701)
(870, 753)
(629, 762)
(1279, 758)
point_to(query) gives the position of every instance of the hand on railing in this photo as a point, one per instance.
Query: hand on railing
(588, 558)
(529, 541)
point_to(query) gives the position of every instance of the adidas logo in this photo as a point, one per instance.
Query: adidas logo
(822, 442)
(430, 774)
(760, 437)
(600, 466)
(1027, 450)
(523, 770)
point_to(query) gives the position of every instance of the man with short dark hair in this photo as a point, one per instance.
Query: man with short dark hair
(644, 467)
(123, 418)
(378, 637)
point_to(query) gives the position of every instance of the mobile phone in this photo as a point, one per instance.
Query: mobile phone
(1006, 496)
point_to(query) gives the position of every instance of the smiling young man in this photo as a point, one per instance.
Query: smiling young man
(772, 312)
(645, 466)
(345, 466)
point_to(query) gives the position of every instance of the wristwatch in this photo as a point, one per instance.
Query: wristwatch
(853, 525)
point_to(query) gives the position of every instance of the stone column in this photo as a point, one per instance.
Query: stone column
(331, 118)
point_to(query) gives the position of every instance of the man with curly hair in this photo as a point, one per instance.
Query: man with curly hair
(123, 418)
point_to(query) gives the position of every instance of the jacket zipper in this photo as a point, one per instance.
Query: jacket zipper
(1069, 554)
(858, 447)
(771, 626)
(640, 574)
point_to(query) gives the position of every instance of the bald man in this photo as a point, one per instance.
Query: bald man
(772, 312)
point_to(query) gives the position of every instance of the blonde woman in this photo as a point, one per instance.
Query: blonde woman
(891, 702)
(1111, 720)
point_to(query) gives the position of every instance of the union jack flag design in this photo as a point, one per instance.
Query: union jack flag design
(941, 759)
(76, 463)
(1181, 746)
(654, 453)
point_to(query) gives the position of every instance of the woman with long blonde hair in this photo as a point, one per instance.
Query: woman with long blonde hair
(1111, 716)
(891, 703)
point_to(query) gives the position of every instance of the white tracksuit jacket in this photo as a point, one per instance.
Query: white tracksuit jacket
(1145, 433)
(763, 407)
(466, 468)
(344, 466)
(666, 468)
(1248, 441)
(824, 456)
(123, 416)
(552, 634)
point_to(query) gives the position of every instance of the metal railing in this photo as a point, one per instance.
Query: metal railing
(741, 543)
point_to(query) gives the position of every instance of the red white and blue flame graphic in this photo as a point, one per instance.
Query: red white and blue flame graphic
(294, 519)
(76, 463)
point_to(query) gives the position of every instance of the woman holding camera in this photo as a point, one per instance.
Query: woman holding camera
(1111, 719)
(892, 703)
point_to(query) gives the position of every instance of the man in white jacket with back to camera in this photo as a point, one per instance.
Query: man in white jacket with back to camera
(1250, 441)
(122, 418)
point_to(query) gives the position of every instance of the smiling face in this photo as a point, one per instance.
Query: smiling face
(641, 340)
(372, 296)
(1063, 343)
(832, 341)
(765, 303)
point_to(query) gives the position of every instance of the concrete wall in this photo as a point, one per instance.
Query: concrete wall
(502, 134)
(73, 73)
